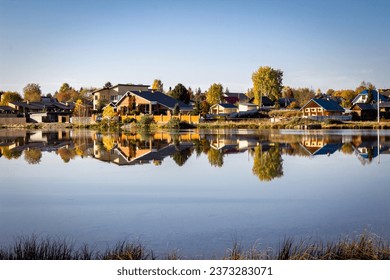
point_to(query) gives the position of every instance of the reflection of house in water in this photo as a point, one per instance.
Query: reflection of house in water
(316, 145)
(133, 149)
(368, 147)
(44, 141)
(227, 145)
(231, 144)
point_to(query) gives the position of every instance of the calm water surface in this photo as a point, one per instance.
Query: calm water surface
(196, 192)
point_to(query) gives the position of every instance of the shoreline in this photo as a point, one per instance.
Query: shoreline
(243, 124)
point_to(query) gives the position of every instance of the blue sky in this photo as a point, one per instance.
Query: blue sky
(318, 44)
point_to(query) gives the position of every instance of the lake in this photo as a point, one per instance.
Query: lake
(196, 192)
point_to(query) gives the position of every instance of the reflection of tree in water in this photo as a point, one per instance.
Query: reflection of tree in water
(10, 154)
(108, 142)
(347, 149)
(33, 156)
(181, 156)
(66, 154)
(215, 157)
(267, 165)
(201, 146)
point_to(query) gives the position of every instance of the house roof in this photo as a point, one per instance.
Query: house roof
(6, 109)
(265, 101)
(384, 104)
(45, 104)
(326, 149)
(328, 105)
(226, 105)
(159, 97)
(374, 93)
(248, 104)
(234, 97)
(364, 106)
(31, 105)
(139, 85)
(286, 101)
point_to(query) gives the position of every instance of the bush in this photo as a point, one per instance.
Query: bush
(128, 120)
(146, 121)
(331, 121)
(174, 123)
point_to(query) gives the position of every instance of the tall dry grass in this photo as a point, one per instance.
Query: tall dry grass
(366, 246)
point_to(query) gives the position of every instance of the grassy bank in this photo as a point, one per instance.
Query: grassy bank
(295, 123)
(364, 247)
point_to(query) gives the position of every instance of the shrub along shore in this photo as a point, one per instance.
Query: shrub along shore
(364, 247)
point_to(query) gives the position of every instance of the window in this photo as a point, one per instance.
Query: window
(96, 97)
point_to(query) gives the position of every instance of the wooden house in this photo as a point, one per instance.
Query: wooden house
(317, 107)
(149, 102)
(364, 111)
(223, 109)
(106, 95)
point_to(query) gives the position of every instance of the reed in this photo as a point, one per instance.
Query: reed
(366, 246)
(126, 250)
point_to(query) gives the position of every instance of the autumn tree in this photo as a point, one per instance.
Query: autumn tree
(330, 91)
(67, 93)
(180, 92)
(204, 107)
(250, 93)
(109, 113)
(85, 93)
(364, 86)
(303, 95)
(287, 92)
(214, 94)
(267, 82)
(158, 85)
(32, 92)
(346, 95)
(318, 93)
(10, 96)
(80, 110)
